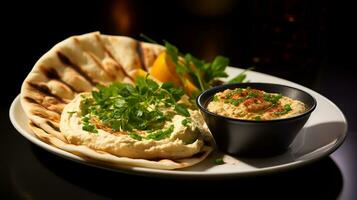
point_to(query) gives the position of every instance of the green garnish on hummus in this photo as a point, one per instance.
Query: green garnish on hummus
(143, 107)
(253, 104)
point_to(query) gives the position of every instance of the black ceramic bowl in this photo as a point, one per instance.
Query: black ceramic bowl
(255, 138)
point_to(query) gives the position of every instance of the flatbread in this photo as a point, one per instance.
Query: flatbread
(77, 65)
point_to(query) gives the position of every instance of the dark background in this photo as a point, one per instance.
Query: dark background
(308, 42)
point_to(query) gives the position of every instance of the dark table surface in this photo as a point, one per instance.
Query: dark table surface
(284, 39)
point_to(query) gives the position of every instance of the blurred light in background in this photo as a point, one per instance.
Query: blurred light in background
(208, 7)
(283, 38)
(122, 15)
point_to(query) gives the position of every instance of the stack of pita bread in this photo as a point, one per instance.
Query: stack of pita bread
(77, 65)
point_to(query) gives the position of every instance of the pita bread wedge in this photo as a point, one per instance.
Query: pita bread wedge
(77, 65)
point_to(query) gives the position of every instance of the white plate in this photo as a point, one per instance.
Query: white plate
(323, 133)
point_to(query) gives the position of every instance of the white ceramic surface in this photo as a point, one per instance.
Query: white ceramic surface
(322, 134)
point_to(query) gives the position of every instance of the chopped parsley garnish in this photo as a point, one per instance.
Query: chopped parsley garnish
(182, 109)
(135, 136)
(273, 98)
(252, 95)
(251, 104)
(215, 98)
(186, 121)
(90, 128)
(161, 134)
(238, 101)
(126, 107)
(218, 161)
(234, 92)
(87, 126)
(235, 102)
(287, 108)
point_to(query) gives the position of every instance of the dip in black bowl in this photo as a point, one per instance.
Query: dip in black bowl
(255, 138)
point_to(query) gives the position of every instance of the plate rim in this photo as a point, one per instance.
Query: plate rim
(185, 174)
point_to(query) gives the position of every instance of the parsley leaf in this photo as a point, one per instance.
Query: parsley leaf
(241, 76)
(287, 108)
(217, 68)
(182, 109)
(161, 134)
(135, 136)
(90, 128)
(272, 98)
(87, 126)
(218, 161)
(252, 95)
(202, 74)
(186, 121)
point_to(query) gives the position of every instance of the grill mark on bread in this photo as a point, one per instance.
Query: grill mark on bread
(51, 73)
(95, 59)
(35, 126)
(52, 125)
(43, 89)
(47, 130)
(140, 52)
(44, 115)
(65, 60)
(118, 65)
(33, 101)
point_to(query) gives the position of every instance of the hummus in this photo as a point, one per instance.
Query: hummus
(179, 137)
(252, 104)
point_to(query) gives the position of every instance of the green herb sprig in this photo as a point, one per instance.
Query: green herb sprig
(203, 74)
